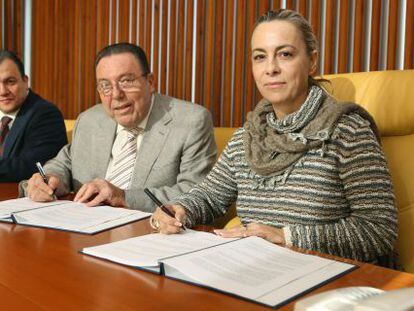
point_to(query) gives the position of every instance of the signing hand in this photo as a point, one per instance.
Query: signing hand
(38, 191)
(268, 233)
(100, 191)
(166, 224)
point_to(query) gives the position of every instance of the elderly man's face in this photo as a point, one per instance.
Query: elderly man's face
(130, 99)
(13, 87)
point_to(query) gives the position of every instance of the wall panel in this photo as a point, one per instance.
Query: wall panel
(12, 26)
(199, 49)
(358, 36)
(409, 36)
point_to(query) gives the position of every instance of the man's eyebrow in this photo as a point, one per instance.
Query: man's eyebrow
(102, 80)
(124, 75)
(127, 75)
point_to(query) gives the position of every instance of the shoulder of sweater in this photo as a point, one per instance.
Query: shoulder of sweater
(237, 137)
(352, 129)
(235, 144)
(353, 123)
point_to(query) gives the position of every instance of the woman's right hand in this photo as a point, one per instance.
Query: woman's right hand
(166, 224)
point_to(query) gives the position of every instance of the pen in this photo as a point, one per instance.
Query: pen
(42, 173)
(159, 204)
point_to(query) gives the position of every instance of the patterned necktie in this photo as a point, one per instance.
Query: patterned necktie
(123, 163)
(4, 130)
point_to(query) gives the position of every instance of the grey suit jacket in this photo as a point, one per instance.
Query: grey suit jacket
(178, 149)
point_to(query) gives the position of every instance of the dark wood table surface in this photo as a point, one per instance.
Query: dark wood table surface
(42, 269)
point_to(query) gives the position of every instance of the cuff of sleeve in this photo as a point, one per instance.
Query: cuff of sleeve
(189, 220)
(22, 188)
(288, 236)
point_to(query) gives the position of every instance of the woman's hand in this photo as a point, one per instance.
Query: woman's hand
(268, 233)
(165, 224)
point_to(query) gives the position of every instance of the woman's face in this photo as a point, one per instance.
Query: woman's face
(281, 65)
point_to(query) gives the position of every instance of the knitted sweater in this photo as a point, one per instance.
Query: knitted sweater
(338, 202)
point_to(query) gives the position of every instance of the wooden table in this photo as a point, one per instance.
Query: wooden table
(43, 269)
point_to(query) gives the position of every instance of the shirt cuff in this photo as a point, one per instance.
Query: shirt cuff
(288, 236)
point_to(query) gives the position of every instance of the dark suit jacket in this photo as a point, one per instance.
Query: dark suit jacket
(37, 134)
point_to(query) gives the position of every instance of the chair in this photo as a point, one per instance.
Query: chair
(69, 124)
(389, 97)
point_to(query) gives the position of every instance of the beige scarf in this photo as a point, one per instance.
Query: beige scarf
(272, 148)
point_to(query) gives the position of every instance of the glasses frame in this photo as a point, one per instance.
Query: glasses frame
(124, 88)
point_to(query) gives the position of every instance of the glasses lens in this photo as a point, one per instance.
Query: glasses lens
(104, 89)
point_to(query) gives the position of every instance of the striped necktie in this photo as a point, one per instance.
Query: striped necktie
(4, 130)
(123, 163)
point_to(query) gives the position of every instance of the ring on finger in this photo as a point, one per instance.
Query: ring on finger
(154, 223)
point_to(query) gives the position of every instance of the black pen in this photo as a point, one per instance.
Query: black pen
(160, 205)
(42, 173)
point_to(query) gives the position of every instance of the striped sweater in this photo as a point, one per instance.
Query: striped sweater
(340, 202)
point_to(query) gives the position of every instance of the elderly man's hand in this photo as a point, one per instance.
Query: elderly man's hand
(100, 191)
(166, 224)
(38, 191)
(268, 233)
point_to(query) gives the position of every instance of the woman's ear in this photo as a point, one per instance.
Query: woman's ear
(313, 62)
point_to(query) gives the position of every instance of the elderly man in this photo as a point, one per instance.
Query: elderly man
(135, 139)
(31, 129)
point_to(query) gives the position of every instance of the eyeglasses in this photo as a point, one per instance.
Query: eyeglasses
(126, 84)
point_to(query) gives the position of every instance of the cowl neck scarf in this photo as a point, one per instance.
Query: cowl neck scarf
(274, 145)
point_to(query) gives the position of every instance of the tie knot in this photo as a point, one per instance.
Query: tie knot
(5, 121)
(133, 132)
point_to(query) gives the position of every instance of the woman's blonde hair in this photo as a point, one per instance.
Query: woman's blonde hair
(301, 24)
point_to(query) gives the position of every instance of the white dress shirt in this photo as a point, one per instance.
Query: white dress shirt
(121, 139)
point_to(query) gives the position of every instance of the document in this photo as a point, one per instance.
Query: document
(251, 268)
(145, 252)
(254, 269)
(8, 207)
(67, 215)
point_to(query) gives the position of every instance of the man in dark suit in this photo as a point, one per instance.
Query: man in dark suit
(31, 129)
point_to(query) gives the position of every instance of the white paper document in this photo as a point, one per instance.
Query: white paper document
(146, 251)
(8, 207)
(68, 215)
(254, 269)
(251, 267)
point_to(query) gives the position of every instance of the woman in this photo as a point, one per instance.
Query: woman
(304, 170)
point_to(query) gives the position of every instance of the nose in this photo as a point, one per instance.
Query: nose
(272, 66)
(117, 92)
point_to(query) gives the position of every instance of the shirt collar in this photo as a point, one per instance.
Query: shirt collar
(11, 115)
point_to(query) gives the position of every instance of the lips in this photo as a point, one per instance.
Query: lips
(5, 100)
(123, 108)
(274, 85)
(270, 84)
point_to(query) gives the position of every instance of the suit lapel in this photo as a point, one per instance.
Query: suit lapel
(155, 135)
(19, 124)
(103, 139)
